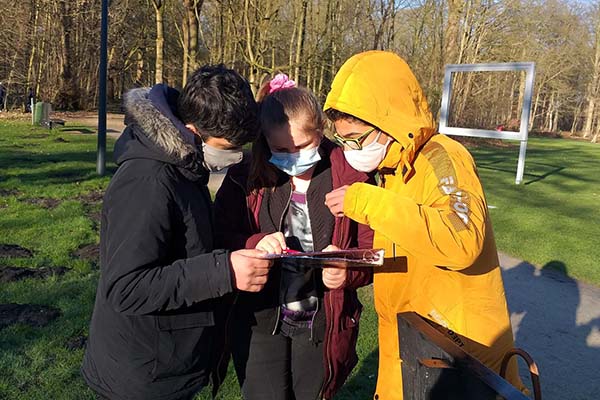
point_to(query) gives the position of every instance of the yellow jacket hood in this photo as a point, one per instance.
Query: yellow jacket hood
(380, 88)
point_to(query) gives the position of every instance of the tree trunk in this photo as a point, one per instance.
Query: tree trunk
(67, 98)
(160, 41)
(192, 9)
(455, 9)
(139, 69)
(185, 27)
(300, 40)
(592, 90)
(34, 24)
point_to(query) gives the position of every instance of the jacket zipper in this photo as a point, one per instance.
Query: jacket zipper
(330, 332)
(280, 228)
(248, 211)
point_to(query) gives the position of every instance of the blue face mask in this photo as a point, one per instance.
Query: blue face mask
(295, 164)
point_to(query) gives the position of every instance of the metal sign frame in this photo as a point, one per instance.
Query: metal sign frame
(521, 135)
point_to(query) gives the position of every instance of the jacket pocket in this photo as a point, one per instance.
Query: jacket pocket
(351, 319)
(183, 344)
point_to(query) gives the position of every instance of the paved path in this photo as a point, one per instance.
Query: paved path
(557, 320)
(114, 122)
(114, 127)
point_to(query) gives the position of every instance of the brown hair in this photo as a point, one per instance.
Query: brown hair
(276, 109)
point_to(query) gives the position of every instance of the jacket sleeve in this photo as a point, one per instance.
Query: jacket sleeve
(449, 230)
(136, 276)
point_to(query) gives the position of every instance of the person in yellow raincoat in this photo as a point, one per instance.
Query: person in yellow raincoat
(429, 213)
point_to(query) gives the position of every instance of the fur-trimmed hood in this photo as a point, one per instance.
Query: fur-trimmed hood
(154, 131)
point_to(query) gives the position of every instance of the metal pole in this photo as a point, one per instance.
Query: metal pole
(101, 160)
(521, 162)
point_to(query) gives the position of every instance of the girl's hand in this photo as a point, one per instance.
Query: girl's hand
(273, 243)
(333, 278)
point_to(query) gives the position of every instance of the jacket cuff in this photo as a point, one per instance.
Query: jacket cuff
(355, 201)
(216, 275)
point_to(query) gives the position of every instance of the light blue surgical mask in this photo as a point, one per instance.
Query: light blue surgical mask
(295, 164)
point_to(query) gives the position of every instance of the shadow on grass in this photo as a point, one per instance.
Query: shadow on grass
(25, 159)
(82, 129)
(552, 169)
(62, 175)
(33, 167)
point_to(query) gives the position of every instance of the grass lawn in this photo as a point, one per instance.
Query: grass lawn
(49, 201)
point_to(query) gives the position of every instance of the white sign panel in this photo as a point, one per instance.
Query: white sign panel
(523, 132)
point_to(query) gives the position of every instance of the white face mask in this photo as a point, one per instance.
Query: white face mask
(217, 159)
(369, 157)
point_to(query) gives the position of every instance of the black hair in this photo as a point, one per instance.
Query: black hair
(219, 103)
(336, 115)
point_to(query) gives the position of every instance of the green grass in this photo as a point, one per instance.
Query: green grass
(552, 218)
(35, 363)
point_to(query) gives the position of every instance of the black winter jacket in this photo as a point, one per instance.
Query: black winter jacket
(153, 333)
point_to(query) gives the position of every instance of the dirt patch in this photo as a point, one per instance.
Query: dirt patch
(76, 342)
(91, 204)
(46, 203)
(90, 252)
(13, 274)
(95, 216)
(91, 197)
(60, 140)
(28, 314)
(9, 192)
(14, 251)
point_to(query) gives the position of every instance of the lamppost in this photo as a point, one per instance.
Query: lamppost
(101, 159)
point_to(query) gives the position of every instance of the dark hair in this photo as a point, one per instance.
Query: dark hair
(219, 103)
(336, 115)
(275, 109)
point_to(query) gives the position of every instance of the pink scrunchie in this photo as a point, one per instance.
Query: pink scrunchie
(280, 81)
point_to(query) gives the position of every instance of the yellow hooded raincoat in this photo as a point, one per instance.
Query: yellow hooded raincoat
(430, 215)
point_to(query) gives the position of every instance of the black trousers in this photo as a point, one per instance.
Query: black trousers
(285, 366)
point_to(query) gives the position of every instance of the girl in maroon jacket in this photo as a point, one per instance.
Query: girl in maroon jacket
(295, 339)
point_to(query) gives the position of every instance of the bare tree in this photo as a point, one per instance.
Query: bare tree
(160, 41)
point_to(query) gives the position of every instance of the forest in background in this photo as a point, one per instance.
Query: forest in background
(52, 47)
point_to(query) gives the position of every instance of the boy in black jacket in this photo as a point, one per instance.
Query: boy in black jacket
(157, 320)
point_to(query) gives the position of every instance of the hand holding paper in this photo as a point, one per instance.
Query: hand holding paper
(333, 278)
(250, 269)
(273, 243)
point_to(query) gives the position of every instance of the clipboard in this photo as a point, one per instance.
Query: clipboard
(351, 258)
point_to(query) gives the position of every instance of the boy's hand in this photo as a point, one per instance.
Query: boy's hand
(249, 271)
(333, 278)
(273, 243)
(335, 201)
